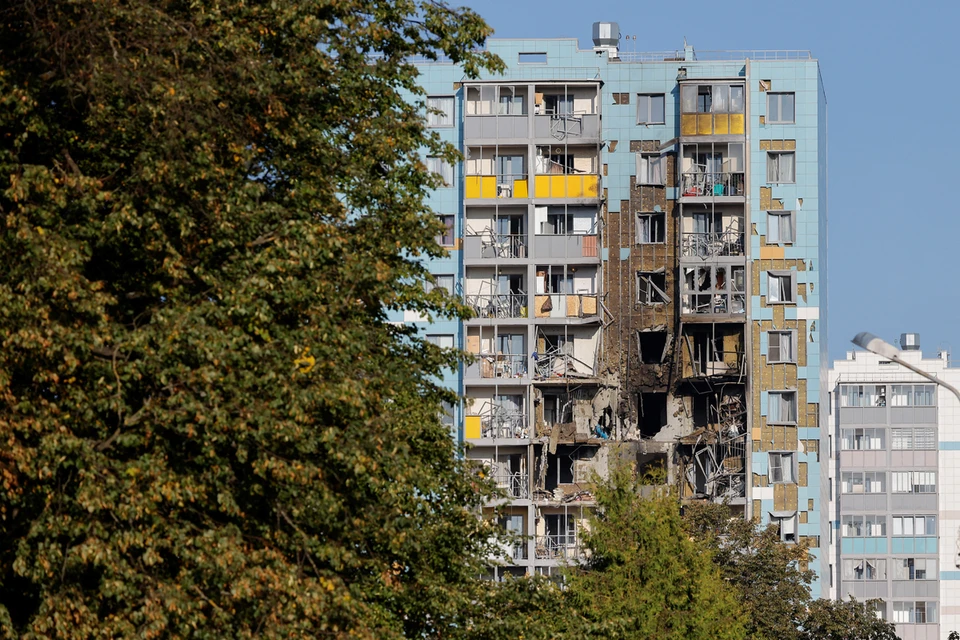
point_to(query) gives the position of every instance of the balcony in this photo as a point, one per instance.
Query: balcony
(566, 186)
(708, 245)
(697, 184)
(500, 365)
(496, 422)
(558, 547)
(499, 246)
(570, 305)
(505, 186)
(568, 127)
(566, 246)
(498, 305)
(514, 485)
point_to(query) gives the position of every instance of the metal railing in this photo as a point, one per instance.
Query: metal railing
(717, 363)
(502, 245)
(711, 303)
(705, 245)
(679, 55)
(721, 183)
(513, 484)
(500, 424)
(558, 547)
(498, 305)
(503, 365)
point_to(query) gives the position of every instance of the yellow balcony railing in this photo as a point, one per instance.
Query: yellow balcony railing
(491, 187)
(567, 186)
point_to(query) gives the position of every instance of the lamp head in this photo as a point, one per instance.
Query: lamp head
(875, 345)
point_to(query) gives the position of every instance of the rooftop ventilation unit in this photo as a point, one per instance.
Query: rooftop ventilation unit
(910, 342)
(606, 37)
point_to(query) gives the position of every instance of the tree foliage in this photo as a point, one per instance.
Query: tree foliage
(645, 577)
(209, 428)
(846, 620)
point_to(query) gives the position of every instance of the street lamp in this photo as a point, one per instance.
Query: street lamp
(883, 349)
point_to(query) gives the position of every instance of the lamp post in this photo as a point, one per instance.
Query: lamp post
(876, 345)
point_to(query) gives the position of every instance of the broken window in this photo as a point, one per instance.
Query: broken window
(780, 108)
(781, 227)
(650, 108)
(559, 470)
(650, 228)
(651, 168)
(651, 288)
(561, 527)
(652, 413)
(781, 167)
(786, 524)
(559, 105)
(780, 468)
(781, 287)
(781, 346)
(782, 407)
(440, 111)
(652, 346)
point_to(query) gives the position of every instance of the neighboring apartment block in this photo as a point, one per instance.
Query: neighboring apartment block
(641, 237)
(895, 473)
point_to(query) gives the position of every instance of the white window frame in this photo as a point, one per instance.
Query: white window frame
(649, 293)
(777, 97)
(440, 239)
(782, 467)
(779, 395)
(775, 227)
(913, 438)
(442, 168)
(646, 114)
(651, 222)
(920, 482)
(863, 435)
(776, 171)
(775, 344)
(433, 282)
(442, 340)
(774, 295)
(651, 169)
(447, 105)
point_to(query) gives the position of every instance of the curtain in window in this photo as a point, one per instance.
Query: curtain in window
(688, 98)
(643, 229)
(736, 99)
(777, 289)
(443, 119)
(721, 98)
(786, 347)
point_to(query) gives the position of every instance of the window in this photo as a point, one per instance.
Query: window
(914, 481)
(922, 438)
(780, 108)
(716, 98)
(914, 568)
(650, 168)
(912, 395)
(786, 525)
(442, 168)
(532, 57)
(440, 111)
(650, 228)
(558, 104)
(911, 612)
(781, 346)
(651, 288)
(650, 108)
(780, 467)
(864, 569)
(446, 414)
(442, 341)
(781, 166)
(914, 525)
(869, 439)
(444, 282)
(781, 407)
(863, 395)
(781, 227)
(871, 526)
(781, 287)
(863, 482)
(445, 239)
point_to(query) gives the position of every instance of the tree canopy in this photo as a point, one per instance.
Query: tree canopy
(209, 427)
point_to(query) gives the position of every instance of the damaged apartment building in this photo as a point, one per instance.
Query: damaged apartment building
(641, 239)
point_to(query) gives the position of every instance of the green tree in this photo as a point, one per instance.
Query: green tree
(847, 620)
(770, 576)
(646, 578)
(208, 426)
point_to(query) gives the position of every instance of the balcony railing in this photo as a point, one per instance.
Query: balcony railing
(513, 484)
(716, 363)
(501, 186)
(567, 186)
(713, 303)
(705, 245)
(499, 305)
(503, 425)
(500, 245)
(558, 547)
(697, 183)
(503, 365)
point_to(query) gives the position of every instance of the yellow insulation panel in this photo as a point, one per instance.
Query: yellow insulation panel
(471, 428)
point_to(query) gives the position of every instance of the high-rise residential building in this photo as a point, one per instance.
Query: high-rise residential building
(641, 237)
(894, 462)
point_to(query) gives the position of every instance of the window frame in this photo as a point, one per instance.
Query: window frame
(793, 346)
(778, 153)
(645, 102)
(781, 393)
(449, 115)
(792, 275)
(868, 434)
(914, 482)
(785, 460)
(436, 339)
(776, 215)
(431, 283)
(653, 290)
(451, 227)
(655, 221)
(778, 95)
(646, 161)
(443, 169)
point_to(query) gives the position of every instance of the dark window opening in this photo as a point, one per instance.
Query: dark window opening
(652, 344)
(652, 413)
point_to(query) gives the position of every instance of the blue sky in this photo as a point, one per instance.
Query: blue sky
(890, 75)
